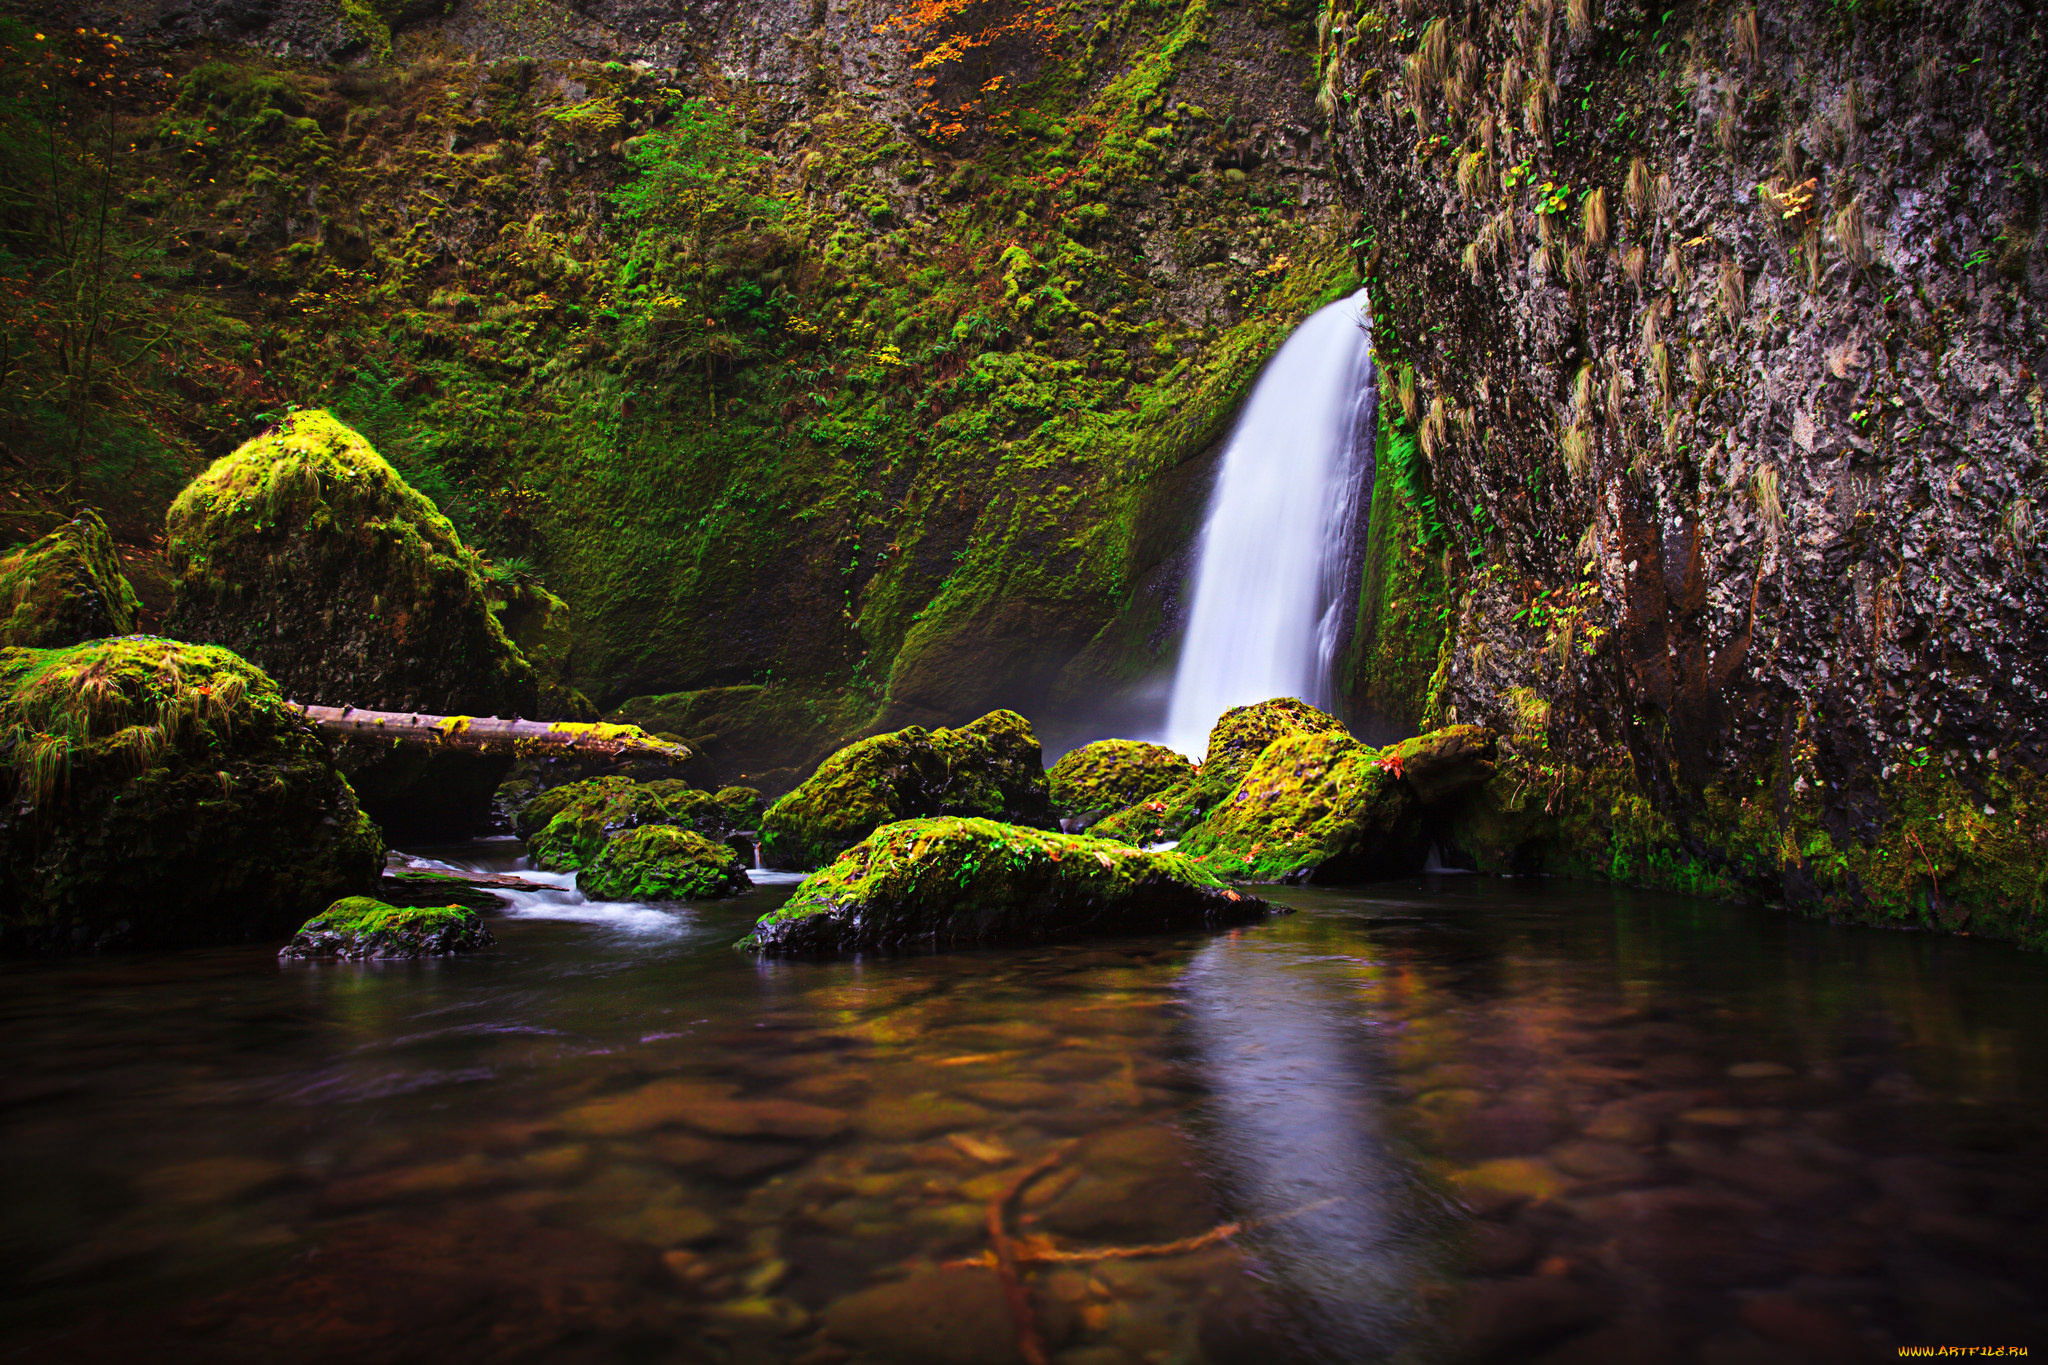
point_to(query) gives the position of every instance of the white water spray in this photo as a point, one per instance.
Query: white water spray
(1275, 572)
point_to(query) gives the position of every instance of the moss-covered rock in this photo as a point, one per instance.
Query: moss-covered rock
(358, 927)
(947, 882)
(65, 588)
(991, 767)
(566, 828)
(1112, 775)
(306, 552)
(661, 863)
(158, 793)
(742, 807)
(1313, 805)
(1237, 738)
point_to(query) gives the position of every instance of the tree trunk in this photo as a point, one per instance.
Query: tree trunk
(490, 734)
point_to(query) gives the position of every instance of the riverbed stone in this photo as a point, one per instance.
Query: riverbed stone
(991, 768)
(65, 588)
(938, 1317)
(952, 882)
(162, 794)
(663, 862)
(360, 927)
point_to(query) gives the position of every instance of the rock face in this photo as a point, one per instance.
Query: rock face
(567, 828)
(306, 552)
(991, 767)
(951, 882)
(359, 927)
(663, 862)
(1237, 738)
(65, 588)
(163, 794)
(1111, 775)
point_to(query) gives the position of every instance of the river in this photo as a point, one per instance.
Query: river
(1449, 1119)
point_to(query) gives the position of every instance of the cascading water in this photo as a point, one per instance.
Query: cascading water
(1276, 565)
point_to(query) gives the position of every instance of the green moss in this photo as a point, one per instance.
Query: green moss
(65, 588)
(663, 862)
(568, 827)
(162, 793)
(992, 767)
(1404, 603)
(1318, 804)
(1239, 736)
(1113, 774)
(949, 882)
(305, 550)
(359, 927)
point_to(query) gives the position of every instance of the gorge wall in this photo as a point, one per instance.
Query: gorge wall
(1711, 435)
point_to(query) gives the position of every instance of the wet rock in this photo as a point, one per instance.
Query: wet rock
(1137, 1184)
(952, 882)
(1816, 1332)
(767, 1118)
(163, 794)
(1313, 805)
(1496, 1186)
(307, 553)
(663, 862)
(655, 1105)
(1591, 1160)
(991, 768)
(906, 1118)
(1110, 775)
(568, 827)
(66, 588)
(940, 1317)
(358, 928)
(1237, 739)
(1500, 1248)
(1498, 1320)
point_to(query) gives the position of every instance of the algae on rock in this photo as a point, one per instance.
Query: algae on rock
(305, 551)
(949, 882)
(359, 927)
(66, 588)
(158, 793)
(991, 767)
(1235, 742)
(663, 862)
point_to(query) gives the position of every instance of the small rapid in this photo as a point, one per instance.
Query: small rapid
(1276, 565)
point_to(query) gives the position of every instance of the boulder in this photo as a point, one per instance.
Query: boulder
(1112, 775)
(567, 828)
(66, 588)
(308, 554)
(991, 767)
(1321, 806)
(1237, 738)
(663, 863)
(163, 794)
(359, 927)
(951, 882)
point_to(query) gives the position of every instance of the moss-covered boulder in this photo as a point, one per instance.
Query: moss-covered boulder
(308, 554)
(741, 806)
(156, 793)
(991, 767)
(1237, 738)
(663, 863)
(66, 588)
(1112, 775)
(359, 927)
(951, 882)
(567, 827)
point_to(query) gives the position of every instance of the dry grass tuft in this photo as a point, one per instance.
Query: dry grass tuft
(1749, 43)
(1578, 16)
(1582, 389)
(1593, 218)
(1674, 264)
(1848, 230)
(1617, 398)
(1434, 433)
(1696, 367)
(1660, 373)
(1635, 262)
(1405, 391)
(1770, 502)
(1635, 192)
(1733, 291)
(1576, 446)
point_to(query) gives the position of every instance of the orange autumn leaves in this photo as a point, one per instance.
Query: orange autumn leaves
(956, 43)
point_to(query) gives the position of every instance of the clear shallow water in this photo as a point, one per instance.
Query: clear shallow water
(1457, 1119)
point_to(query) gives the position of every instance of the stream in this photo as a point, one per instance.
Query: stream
(1448, 1119)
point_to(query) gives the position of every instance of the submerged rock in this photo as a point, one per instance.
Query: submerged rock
(305, 551)
(1112, 775)
(1237, 738)
(991, 768)
(158, 793)
(66, 588)
(950, 882)
(359, 927)
(663, 862)
(567, 828)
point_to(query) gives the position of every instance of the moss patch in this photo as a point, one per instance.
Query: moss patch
(359, 927)
(1237, 738)
(1313, 805)
(65, 588)
(567, 828)
(162, 793)
(663, 862)
(991, 767)
(1112, 774)
(945, 882)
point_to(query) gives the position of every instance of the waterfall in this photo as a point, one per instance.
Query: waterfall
(1276, 572)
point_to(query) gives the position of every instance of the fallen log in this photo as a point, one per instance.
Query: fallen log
(490, 734)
